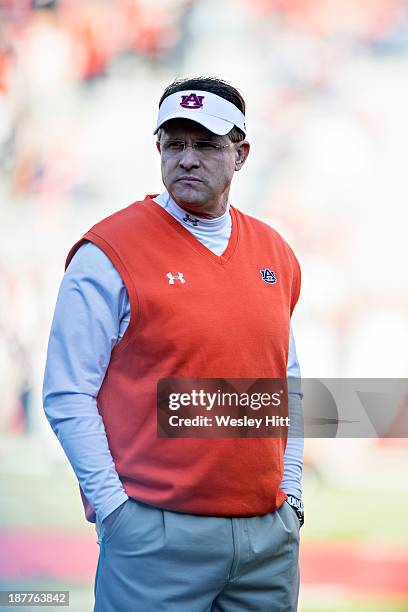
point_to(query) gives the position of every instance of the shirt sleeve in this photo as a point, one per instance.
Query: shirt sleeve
(293, 458)
(91, 315)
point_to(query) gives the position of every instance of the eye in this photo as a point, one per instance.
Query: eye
(174, 145)
(206, 146)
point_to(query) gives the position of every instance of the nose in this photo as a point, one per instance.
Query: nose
(189, 158)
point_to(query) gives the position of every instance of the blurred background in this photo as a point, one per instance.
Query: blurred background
(326, 84)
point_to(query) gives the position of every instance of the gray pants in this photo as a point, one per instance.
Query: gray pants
(154, 560)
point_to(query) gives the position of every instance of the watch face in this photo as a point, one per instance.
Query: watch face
(295, 502)
(297, 506)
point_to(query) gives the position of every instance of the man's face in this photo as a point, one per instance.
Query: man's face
(198, 180)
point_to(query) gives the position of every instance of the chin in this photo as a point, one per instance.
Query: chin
(187, 195)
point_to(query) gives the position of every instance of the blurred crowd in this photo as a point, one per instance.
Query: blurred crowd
(326, 88)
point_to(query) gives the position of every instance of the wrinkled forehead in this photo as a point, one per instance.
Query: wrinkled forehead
(185, 128)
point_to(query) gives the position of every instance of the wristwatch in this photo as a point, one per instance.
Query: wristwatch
(298, 507)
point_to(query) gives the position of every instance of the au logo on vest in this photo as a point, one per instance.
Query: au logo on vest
(192, 101)
(268, 276)
(178, 277)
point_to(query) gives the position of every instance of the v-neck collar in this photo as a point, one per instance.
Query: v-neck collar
(191, 239)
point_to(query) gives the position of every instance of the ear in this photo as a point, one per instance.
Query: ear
(241, 154)
(158, 147)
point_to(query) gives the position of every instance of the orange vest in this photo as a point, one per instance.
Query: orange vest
(224, 321)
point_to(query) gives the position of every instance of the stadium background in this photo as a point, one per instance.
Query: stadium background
(327, 92)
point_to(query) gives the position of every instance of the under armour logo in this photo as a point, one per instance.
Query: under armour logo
(192, 101)
(173, 278)
(190, 220)
(268, 276)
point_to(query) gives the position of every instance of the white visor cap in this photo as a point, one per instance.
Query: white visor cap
(213, 112)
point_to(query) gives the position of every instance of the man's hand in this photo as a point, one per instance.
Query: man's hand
(108, 520)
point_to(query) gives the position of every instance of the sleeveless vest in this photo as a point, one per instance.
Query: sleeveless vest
(223, 321)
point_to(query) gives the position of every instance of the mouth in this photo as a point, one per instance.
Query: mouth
(188, 179)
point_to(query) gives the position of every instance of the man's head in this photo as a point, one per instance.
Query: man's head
(201, 140)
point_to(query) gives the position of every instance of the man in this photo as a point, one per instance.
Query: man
(180, 285)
